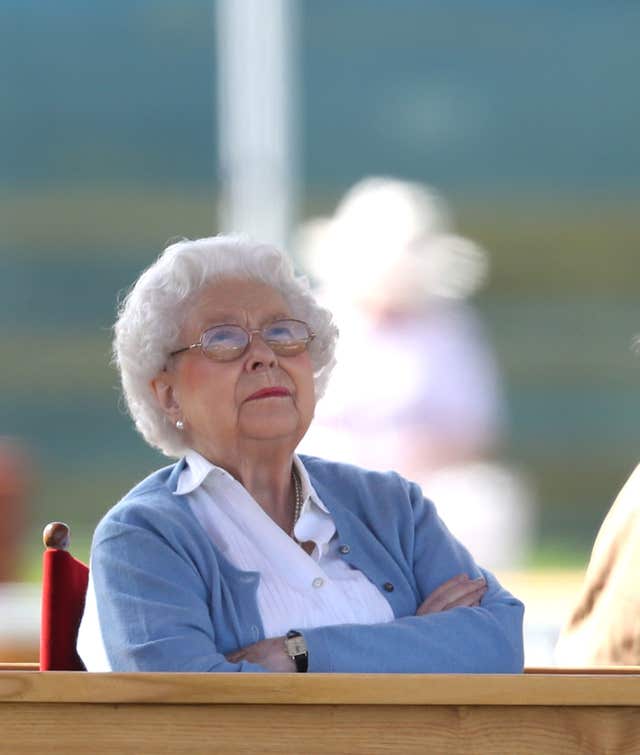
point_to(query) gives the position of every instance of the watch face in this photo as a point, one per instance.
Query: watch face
(296, 646)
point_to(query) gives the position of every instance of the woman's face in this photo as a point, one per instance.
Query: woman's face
(216, 400)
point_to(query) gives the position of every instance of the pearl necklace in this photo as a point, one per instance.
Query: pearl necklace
(298, 489)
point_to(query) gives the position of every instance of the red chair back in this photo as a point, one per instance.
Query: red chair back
(64, 587)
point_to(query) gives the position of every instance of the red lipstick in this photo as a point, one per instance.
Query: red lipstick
(269, 392)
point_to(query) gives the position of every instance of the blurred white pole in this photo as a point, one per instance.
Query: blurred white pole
(258, 146)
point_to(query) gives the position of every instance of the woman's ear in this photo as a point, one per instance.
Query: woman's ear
(164, 391)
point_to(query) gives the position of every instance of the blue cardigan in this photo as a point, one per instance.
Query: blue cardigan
(169, 601)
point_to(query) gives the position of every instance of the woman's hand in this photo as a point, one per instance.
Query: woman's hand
(455, 592)
(269, 653)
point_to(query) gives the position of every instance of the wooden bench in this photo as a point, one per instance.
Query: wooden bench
(580, 712)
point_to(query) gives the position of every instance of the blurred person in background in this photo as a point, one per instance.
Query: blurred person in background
(604, 626)
(398, 278)
(15, 473)
(243, 555)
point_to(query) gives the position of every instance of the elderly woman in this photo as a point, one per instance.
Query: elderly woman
(243, 556)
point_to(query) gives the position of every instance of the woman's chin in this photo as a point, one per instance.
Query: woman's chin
(271, 428)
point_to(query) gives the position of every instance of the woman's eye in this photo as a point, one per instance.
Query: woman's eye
(279, 334)
(220, 336)
(223, 336)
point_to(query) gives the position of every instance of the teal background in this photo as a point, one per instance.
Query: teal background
(525, 115)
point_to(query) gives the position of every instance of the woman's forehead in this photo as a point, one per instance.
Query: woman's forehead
(232, 300)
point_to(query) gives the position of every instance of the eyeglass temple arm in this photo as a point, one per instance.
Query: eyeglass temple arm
(186, 348)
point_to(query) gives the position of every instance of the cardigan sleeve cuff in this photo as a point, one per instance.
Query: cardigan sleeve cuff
(318, 649)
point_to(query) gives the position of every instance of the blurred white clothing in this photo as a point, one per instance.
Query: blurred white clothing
(420, 394)
(432, 375)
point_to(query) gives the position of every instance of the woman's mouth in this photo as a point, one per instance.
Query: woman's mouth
(271, 392)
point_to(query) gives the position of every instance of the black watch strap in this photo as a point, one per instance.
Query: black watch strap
(297, 650)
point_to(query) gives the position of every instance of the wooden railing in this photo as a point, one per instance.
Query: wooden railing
(565, 713)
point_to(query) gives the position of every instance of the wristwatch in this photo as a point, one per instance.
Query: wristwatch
(296, 649)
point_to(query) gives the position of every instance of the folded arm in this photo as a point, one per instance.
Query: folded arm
(486, 638)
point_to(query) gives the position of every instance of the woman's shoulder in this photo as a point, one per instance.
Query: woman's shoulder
(149, 503)
(349, 482)
(338, 470)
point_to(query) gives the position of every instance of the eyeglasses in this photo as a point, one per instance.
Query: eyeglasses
(228, 341)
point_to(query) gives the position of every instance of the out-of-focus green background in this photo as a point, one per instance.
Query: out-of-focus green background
(524, 115)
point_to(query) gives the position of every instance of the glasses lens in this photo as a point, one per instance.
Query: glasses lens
(287, 337)
(224, 342)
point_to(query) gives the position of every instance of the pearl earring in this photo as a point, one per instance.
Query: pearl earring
(180, 425)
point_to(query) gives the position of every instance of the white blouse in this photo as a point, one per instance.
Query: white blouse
(295, 589)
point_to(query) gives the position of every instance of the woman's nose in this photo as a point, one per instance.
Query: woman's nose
(259, 354)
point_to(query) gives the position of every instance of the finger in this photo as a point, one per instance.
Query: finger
(465, 588)
(441, 591)
(450, 591)
(454, 590)
(467, 600)
(439, 597)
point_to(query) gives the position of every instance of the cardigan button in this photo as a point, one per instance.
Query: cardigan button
(388, 586)
(344, 549)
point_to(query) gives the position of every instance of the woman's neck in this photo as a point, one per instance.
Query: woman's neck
(265, 471)
(271, 486)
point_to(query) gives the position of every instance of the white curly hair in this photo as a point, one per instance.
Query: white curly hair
(150, 318)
